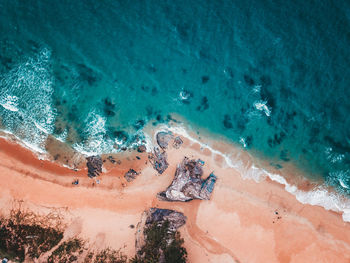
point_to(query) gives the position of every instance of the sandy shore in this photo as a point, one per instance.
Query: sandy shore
(244, 221)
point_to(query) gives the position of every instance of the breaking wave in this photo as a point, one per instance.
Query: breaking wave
(26, 100)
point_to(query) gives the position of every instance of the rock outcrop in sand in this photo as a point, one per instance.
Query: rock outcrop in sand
(163, 139)
(131, 175)
(159, 160)
(94, 165)
(188, 183)
(177, 142)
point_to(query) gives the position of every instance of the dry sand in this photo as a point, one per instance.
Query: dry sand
(244, 221)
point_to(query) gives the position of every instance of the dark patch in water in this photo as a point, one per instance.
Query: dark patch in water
(267, 96)
(284, 156)
(276, 140)
(249, 80)
(339, 146)
(276, 165)
(249, 140)
(109, 113)
(241, 123)
(154, 91)
(314, 133)
(227, 122)
(265, 80)
(205, 79)
(149, 110)
(121, 136)
(151, 68)
(204, 104)
(6, 61)
(145, 88)
(87, 74)
(108, 108)
(139, 124)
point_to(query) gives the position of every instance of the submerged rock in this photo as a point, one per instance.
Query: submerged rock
(131, 175)
(163, 139)
(94, 165)
(188, 183)
(159, 160)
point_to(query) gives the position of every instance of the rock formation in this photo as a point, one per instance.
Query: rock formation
(177, 142)
(141, 148)
(94, 165)
(131, 175)
(159, 160)
(188, 183)
(163, 139)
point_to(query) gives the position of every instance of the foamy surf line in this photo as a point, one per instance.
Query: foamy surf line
(319, 196)
(30, 146)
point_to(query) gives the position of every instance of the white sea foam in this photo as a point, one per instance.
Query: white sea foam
(243, 142)
(95, 129)
(9, 102)
(32, 147)
(332, 156)
(26, 100)
(343, 184)
(320, 196)
(261, 106)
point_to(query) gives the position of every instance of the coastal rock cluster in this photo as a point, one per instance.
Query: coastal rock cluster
(131, 175)
(94, 165)
(188, 183)
(157, 215)
(163, 139)
(158, 160)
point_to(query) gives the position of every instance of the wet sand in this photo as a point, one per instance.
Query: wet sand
(244, 221)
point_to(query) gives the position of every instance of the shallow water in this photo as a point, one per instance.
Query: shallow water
(272, 77)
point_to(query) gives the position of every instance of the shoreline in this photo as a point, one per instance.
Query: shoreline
(241, 214)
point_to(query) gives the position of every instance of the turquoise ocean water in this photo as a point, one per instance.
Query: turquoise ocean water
(272, 76)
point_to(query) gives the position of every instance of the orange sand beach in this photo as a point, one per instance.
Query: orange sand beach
(244, 221)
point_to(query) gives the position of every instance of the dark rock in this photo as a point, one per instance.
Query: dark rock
(139, 124)
(121, 136)
(204, 104)
(159, 160)
(284, 156)
(131, 175)
(111, 159)
(154, 91)
(205, 79)
(177, 142)
(94, 165)
(163, 139)
(249, 80)
(227, 122)
(188, 183)
(175, 219)
(141, 148)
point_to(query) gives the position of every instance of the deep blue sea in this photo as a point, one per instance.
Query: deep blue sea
(272, 76)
